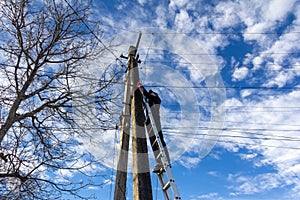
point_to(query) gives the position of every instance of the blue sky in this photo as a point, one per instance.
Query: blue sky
(228, 74)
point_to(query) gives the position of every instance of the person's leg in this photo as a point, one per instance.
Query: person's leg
(165, 147)
(167, 155)
(155, 149)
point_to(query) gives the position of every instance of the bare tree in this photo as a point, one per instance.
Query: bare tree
(43, 50)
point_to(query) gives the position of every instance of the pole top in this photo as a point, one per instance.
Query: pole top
(133, 49)
(138, 41)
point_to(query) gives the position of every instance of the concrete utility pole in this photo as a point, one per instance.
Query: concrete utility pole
(133, 101)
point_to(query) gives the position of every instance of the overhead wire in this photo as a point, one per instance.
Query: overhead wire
(113, 165)
(168, 32)
(214, 54)
(209, 54)
(254, 135)
(219, 139)
(228, 87)
(258, 123)
(218, 87)
(205, 66)
(282, 127)
(232, 110)
(92, 32)
(232, 129)
(146, 57)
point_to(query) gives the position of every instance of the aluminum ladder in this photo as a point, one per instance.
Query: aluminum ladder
(165, 175)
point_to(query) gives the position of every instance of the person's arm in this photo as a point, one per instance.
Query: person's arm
(155, 99)
(144, 91)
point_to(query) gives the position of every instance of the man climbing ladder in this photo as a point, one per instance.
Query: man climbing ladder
(161, 153)
(154, 103)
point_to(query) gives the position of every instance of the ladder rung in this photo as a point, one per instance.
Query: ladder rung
(159, 155)
(155, 142)
(161, 171)
(167, 186)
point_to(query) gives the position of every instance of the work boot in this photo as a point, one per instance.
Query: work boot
(159, 164)
(158, 167)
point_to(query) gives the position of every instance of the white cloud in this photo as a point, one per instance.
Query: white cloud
(226, 15)
(213, 173)
(258, 183)
(278, 9)
(142, 2)
(271, 120)
(183, 21)
(240, 74)
(177, 4)
(248, 156)
(161, 16)
(263, 16)
(257, 62)
(121, 5)
(281, 53)
(246, 93)
(189, 162)
(65, 173)
(281, 79)
(209, 196)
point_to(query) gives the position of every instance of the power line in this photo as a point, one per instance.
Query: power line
(241, 106)
(215, 87)
(186, 68)
(227, 87)
(92, 32)
(206, 53)
(251, 123)
(216, 54)
(204, 68)
(221, 87)
(112, 170)
(144, 62)
(197, 32)
(218, 139)
(250, 131)
(259, 123)
(291, 109)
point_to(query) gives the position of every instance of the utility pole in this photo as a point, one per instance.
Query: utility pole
(133, 101)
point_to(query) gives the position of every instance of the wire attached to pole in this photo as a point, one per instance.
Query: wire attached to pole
(146, 57)
(113, 164)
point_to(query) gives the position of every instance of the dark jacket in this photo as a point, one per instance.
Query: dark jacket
(152, 99)
(154, 103)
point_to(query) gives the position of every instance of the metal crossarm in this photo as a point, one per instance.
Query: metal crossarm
(165, 175)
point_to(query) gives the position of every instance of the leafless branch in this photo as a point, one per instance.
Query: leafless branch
(44, 49)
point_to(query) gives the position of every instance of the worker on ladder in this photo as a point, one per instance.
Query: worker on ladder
(154, 103)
